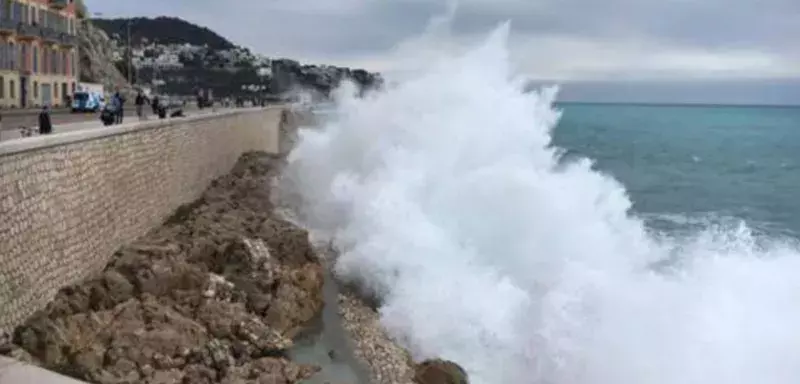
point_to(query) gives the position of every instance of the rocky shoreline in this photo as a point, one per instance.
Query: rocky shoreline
(218, 294)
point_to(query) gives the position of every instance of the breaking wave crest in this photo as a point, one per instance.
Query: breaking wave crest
(446, 199)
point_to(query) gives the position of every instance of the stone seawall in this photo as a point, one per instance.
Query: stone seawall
(69, 201)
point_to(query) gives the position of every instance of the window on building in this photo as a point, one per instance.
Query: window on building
(53, 61)
(24, 56)
(55, 90)
(3, 55)
(73, 87)
(35, 89)
(2, 87)
(35, 59)
(12, 55)
(8, 63)
(16, 11)
(12, 90)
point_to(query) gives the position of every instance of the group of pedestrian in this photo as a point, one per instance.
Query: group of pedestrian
(113, 114)
(114, 111)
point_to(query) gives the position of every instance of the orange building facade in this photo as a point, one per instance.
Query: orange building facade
(38, 52)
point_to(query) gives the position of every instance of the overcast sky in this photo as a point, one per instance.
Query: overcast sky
(602, 43)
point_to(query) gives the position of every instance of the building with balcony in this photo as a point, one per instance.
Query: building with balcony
(38, 52)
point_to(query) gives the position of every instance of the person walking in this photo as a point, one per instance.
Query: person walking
(140, 101)
(119, 106)
(45, 125)
(155, 104)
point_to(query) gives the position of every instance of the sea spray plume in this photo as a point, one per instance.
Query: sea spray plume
(386, 188)
(385, 156)
(301, 96)
(445, 197)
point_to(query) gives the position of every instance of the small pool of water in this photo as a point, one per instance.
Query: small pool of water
(326, 344)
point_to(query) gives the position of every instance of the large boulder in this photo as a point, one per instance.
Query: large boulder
(438, 371)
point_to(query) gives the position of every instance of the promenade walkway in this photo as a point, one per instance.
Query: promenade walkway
(91, 122)
(15, 372)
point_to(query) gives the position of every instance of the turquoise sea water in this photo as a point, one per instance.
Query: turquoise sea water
(687, 166)
(562, 287)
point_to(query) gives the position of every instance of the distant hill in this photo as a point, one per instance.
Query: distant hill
(179, 57)
(162, 30)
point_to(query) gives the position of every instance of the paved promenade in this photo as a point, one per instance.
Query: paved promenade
(15, 372)
(72, 122)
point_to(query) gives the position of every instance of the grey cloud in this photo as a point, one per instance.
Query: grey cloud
(368, 30)
(375, 27)
(378, 25)
(743, 24)
(746, 92)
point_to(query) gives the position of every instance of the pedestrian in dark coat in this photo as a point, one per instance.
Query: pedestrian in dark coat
(45, 125)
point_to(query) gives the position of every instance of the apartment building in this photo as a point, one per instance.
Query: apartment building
(38, 52)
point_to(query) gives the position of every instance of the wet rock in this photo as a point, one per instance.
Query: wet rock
(297, 300)
(290, 243)
(269, 370)
(439, 371)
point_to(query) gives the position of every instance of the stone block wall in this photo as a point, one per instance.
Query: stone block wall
(69, 201)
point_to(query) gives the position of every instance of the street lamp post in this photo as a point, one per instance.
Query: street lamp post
(130, 54)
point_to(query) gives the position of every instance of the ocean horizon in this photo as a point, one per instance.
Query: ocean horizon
(674, 104)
